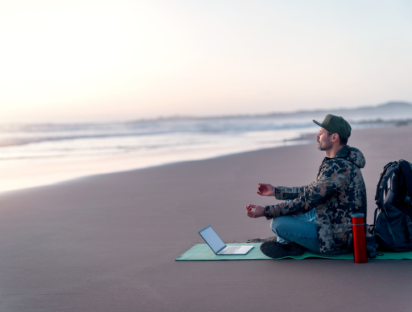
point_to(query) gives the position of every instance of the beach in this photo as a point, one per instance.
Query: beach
(108, 242)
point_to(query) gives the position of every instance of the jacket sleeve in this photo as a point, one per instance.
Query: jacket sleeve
(309, 197)
(283, 192)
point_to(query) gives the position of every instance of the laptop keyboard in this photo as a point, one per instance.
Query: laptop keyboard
(230, 250)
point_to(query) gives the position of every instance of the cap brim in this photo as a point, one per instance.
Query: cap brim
(318, 123)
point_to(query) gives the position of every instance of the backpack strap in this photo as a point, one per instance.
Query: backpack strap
(373, 226)
(380, 186)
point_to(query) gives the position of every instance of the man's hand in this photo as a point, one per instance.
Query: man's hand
(255, 211)
(266, 189)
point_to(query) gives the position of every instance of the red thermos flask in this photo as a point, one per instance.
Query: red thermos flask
(359, 238)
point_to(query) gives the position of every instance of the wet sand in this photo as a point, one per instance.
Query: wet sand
(108, 242)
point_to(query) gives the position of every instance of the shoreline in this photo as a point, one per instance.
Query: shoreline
(31, 173)
(127, 163)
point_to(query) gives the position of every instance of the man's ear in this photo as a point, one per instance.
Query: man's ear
(335, 137)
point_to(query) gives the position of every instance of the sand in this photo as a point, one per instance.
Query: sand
(108, 242)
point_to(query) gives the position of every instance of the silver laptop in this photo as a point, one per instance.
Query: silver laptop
(218, 246)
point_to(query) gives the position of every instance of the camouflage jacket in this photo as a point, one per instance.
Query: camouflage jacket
(337, 192)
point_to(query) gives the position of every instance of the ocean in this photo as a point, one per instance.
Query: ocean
(38, 154)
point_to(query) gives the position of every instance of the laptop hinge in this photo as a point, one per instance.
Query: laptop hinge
(221, 249)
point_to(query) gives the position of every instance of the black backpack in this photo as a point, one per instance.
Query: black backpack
(392, 226)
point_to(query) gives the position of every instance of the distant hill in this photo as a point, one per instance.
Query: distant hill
(391, 110)
(388, 111)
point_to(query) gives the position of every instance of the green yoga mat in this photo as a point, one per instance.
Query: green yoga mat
(202, 252)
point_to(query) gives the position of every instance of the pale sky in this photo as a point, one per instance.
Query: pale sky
(120, 60)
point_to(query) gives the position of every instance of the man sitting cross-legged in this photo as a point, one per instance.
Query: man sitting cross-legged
(318, 216)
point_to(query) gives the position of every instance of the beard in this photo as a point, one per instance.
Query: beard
(325, 145)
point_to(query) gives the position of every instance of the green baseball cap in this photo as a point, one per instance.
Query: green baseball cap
(336, 124)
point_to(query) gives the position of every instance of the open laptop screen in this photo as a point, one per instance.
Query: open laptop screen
(212, 239)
